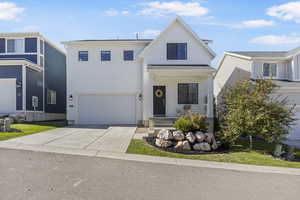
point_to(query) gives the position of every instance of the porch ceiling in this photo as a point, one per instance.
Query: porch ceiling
(182, 70)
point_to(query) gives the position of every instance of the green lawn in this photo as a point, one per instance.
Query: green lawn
(239, 154)
(27, 129)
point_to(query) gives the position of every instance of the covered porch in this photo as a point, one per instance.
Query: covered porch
(172, 89)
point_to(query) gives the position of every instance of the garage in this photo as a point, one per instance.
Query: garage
(8, 96)
(107, 109)
(295, 132)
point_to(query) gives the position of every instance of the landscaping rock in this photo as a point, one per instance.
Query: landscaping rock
(165, 134)
(210, 138)
(190, 137)
(214, 145)
(200, 137)
(204, 146)
(163, 143)
(183, 145)
(178, 135)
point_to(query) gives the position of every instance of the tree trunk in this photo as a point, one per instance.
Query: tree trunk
(250, 142)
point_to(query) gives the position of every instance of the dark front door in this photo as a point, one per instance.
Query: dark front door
(159, 100)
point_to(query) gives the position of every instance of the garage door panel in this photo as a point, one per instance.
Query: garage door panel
(105, 109)
(8, 94)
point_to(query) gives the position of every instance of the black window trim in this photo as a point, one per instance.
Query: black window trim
(186, 53)
(188, 103)
(102, 51)
(79, 52)
(124, 58)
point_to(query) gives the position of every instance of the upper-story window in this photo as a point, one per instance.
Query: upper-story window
(83, 55)
(269, 69)
(128, 55)
(15, 45)
(176, 51)
(105, 55)
(41, 47)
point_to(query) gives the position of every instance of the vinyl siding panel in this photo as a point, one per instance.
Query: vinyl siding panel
(34, 87)
(55, 78)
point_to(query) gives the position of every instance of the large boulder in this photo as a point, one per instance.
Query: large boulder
(190, 137)
(210, 138)
(183, 145)
(200, 136)
(204, 146)
(163, 143)
(165, 134)
(178, 135)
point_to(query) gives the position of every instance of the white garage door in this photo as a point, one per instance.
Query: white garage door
(295, 133)
(8, 96)
(106, 109)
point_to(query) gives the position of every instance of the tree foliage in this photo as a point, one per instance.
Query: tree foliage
(250, 108)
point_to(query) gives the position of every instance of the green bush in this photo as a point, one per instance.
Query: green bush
(191, 122)
(249, 109)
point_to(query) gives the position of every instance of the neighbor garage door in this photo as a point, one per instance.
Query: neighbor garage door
(295, 132)
(106, 109)
(8, 96)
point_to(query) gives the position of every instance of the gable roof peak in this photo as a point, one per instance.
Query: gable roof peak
(181, 22)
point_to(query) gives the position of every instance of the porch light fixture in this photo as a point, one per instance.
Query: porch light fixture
(71, 97)
(140, 97)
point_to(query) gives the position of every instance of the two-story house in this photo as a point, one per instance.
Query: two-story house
(282, 66)
(32, 77)
(131, 81)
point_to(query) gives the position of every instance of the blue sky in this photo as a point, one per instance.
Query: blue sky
(231, 24)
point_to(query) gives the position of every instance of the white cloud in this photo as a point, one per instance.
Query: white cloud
(114, 12)
(9, 11)
(287, 11)
(149, 33)
(275, 40)
(257, 23)
(157, 8)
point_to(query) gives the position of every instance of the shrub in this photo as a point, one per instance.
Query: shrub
(249, 109)
(191, 122)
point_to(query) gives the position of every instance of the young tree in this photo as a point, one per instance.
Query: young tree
(250, 109)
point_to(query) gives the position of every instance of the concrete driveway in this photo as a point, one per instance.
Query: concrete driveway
(88, 139)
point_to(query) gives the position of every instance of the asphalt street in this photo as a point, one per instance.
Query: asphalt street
(26, 175)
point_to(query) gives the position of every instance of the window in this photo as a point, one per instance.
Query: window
(188, 93)
(270, 69)
(51, 97)
(128, 55)
(176, 51)
(83, 55)
(41, 47)
(15, 45)
(105, 55)
(42, 61)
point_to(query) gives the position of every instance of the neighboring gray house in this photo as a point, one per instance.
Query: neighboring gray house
(282, 66)
(32, 77)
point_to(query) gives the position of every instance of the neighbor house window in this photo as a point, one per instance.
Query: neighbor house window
(176, 51)
(42, 61)
(83, 55)
(15, 45)
(105, 56)
(205, 103)
(270, 69)
(128, 55)
(51, 97)
(41, 47)
(188, 93)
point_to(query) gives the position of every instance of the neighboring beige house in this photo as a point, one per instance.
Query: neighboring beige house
(282, 66)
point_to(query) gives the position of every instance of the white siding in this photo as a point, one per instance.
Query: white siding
(283, 69)
(231, 70)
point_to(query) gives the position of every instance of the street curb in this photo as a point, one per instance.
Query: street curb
(154, 159)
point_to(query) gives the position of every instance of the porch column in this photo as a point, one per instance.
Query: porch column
(210, 100)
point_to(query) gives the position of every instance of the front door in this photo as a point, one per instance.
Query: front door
(159, 100)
